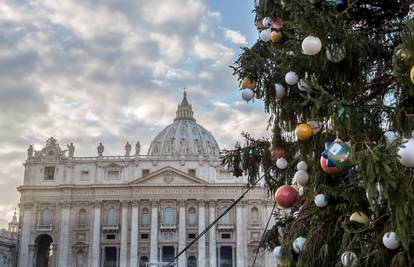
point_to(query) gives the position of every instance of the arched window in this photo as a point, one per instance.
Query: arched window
(145, 216)
(143, 261)
(226, 218)
(82, 217)
(46, 216)
(255, 215)
(80, 259)
(192, 216)
(192, 261)
(112, 216)
(168, 215)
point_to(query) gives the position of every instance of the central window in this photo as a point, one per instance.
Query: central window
(49, 173)
(226, 218)
(112, 218)
(168, 216)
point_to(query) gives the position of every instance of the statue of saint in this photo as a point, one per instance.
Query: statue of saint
(30, 152)
(127, 149)
(71, 149)
(100, 149)
(137, 148)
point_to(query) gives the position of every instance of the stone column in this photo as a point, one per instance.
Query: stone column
(182, 240)
(133, 254)
(124, 235)
(96, 235)
(32, 254)
(212, 235)
(64, 234)
(154, 233)
(202, 240)
(27, 225)
(271, 258)
(240, 236)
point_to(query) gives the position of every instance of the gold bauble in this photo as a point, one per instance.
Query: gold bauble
(276, 36)
(359, 217)
(412, 74)
(303, 131)
(248, 83)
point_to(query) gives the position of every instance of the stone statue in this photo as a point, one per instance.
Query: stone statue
(30, 152)
(127, 149)
(137, 148)
(411, 11)
(71, 149)
(211, 148)
(100, 149)
(199, 146)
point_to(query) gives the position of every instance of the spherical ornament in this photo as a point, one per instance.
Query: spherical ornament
(248, 83)
(301, 177)
(291, 78)
(299, 244)
(281, 163)
(303, 131)
(302, 166)
(276, 36)
(390, 137)
(277, 24)
(406, 152)
(359, 217)
(311, 45)
(280, 91)
(267, 22)
(316, 127)
(286, 196)
(259, 25)
(337, 155)
(390, 240)
(247, 94)
(250, 157)
(321, 201)
(278, 252)
(278, 152)
(265, 35)
(303, 85)
(335, 53)
(349, 259)
(331, 170)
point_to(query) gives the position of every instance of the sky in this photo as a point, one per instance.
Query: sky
(112, 71)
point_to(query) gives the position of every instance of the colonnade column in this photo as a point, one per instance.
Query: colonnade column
(240, 236)
(271, 258)
(64, 235)
(96, 235)
(154, 232)
(133, 254)
(202, 240)
(182, 260)
(123, 254)
(27, 225)
(212, 250)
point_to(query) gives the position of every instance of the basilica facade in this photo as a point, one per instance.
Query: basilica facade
(140, 210)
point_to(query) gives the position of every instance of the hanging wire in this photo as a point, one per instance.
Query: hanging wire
(264, 231)
(215, 221)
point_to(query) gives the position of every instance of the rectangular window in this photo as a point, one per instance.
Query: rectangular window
(145, 172)
(191, 236)
(192, 172)
(225, 236)
(144, 236)
(113, 174)
(110, 237)
(49, 173)
(84, 176)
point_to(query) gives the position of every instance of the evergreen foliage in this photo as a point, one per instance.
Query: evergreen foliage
(356, 99)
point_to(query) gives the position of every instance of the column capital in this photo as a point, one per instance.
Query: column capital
(125, 203)
(65, 204)
(135, 203)
(97, 204)
(244, 202)
(28, 205)
(212, 203)
(181, 203)
(201, 202)
(154, 202)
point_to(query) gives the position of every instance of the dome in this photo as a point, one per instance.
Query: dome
(184, 136)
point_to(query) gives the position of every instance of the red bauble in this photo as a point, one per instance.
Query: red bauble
(326, 168)
(259, 25)
(286, 196)
(278, 153)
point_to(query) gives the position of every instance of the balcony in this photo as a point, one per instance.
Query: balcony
(225, 227)
(111, 228)
(81, 227)
(168, 227)
(44, 227)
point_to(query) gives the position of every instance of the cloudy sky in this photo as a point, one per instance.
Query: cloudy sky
(113, 70)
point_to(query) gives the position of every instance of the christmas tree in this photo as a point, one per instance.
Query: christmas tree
(337, 80)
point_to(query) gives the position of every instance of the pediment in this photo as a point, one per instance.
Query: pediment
(168, 176)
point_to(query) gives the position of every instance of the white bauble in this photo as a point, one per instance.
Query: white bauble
(390, 240)
(316, 127)
(301, 191)
(303, 85)
(349, 259)
(390, 137)
(247, 94)
(406, 153)
(299, 244)
(265, 35)
(311, 45)
(291, 78)
(267, 22)
(321, 201)
(280, 91)
(302, 166)
(335, 53)
(295, 215)
(278, 252)
(301, 177)
(281, 163)
(256, 3)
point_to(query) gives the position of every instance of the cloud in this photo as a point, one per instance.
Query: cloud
(235, 37)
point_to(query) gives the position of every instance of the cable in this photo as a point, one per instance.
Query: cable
(264, 231)
(215, 221)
